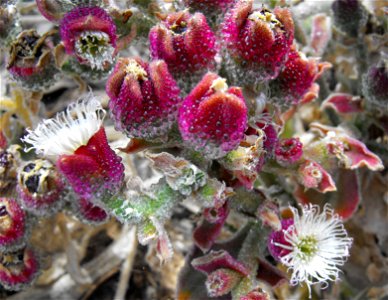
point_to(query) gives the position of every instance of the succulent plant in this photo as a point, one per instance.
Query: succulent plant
(249, 137)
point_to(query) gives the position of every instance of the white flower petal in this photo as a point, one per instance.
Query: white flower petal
(68, 130)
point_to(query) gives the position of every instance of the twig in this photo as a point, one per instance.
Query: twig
(126, 271)
(100, 268)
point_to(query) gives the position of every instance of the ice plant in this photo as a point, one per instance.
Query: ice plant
(143, 97)
(257, 40)
(296, 79)
(184, 41)
(12, 224)
(213, 118)
(18, 268)
(313, 246)
(76, 141)
(40, 187)
(89, 33)
(31, 61)
(288, 151)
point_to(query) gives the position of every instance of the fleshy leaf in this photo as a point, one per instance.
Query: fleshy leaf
(216, 260)
(360, 156)
(351, 152)
(343, 103)
(344, 201)
(210, 228)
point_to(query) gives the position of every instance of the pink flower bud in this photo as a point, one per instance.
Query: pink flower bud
(258, 40)
(184, 41)
(296, 79)
(89, 33)
(221, 282)
(288, 151)
(18, 269)
(31, 61)
(213, 118)
(40, 187)
(12, 224)
(144, 97)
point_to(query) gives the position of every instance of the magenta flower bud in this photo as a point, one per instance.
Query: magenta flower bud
(258, 40)
(144, 97)
(277, 237)
(31, 61)
(375, 85)
(184, 41)
(296, 79)
(18, 269)
(40, 187)
(213, 117)
(222, 282)
(12, 224)
(288, 151)
(76, 141)
(89, 33)
(89, 213)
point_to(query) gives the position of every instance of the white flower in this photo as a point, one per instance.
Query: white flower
(318, 245)
(68, 130)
